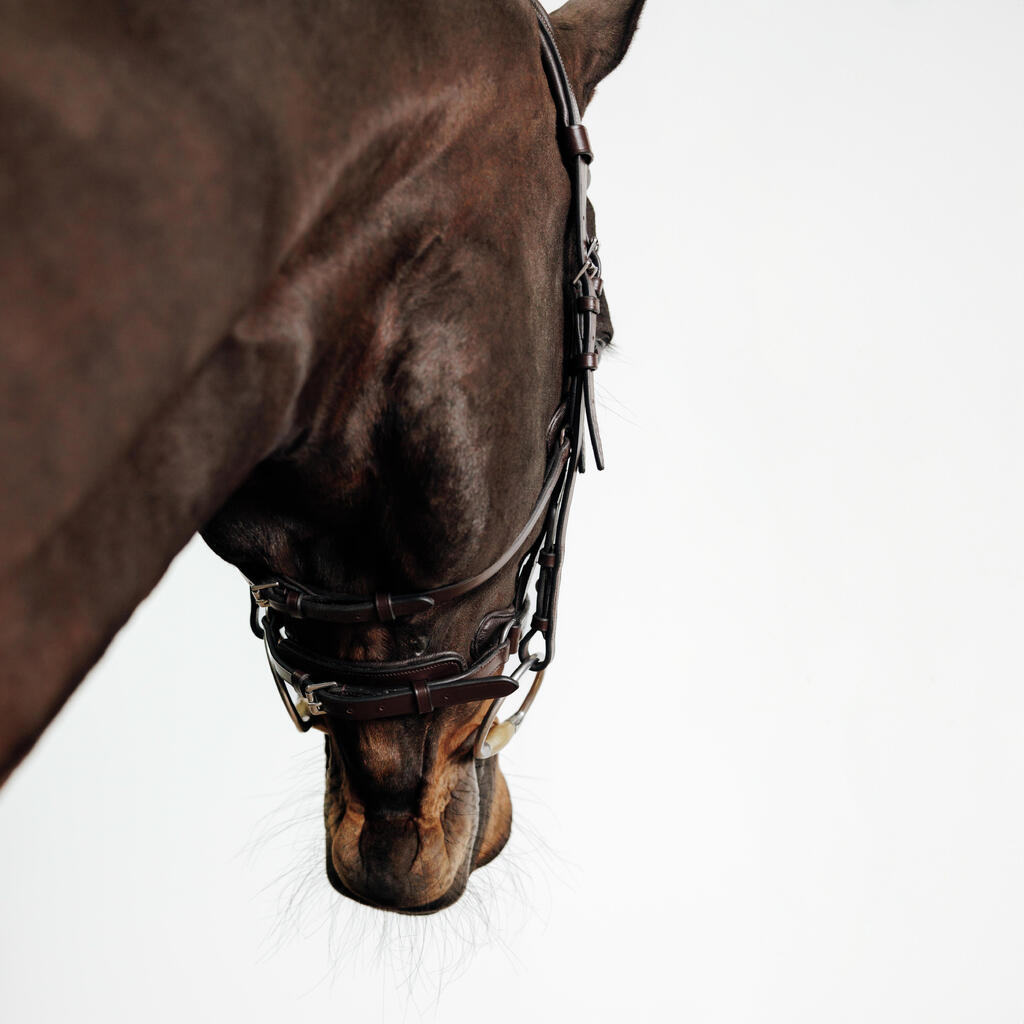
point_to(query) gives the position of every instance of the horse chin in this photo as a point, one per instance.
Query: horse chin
(417, 862)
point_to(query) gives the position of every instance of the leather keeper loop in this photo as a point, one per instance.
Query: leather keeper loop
(291, 601)
(385, 610)
(422, 694)
(585, 361)
(576, 142)
(588, 304)
(547, 559)
(540, 623)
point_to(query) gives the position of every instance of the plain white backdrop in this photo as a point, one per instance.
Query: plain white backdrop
(777, 773)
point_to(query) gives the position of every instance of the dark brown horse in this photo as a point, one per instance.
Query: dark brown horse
(294, 279)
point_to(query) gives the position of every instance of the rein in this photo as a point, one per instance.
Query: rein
(358, 691)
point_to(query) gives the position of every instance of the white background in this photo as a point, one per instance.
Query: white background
(804, 581)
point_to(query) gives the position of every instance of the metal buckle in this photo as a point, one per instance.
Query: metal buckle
(255, 588)
(301, 722)
(312, 706)
(492, 736)
(591, 264)
(306, 708)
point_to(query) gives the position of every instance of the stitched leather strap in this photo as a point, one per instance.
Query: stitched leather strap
(361, 691)
(288, 599)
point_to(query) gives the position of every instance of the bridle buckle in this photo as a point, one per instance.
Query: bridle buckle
(256, 588)
(309, 703)
(307, 707)
(591, 265)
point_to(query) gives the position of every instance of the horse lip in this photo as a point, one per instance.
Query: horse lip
(425, 909)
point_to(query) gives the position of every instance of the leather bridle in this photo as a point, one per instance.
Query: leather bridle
(357, 691)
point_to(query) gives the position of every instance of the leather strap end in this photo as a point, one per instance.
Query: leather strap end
(591, 411)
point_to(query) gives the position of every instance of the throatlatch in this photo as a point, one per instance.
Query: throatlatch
(312, 685)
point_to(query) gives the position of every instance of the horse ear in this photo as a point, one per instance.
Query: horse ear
(593, 36)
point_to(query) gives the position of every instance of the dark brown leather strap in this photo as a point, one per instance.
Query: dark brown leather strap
(289, 600)
(360, 691)
(556, 428)
(558, 77)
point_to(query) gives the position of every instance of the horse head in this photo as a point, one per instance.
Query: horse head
(435, 292)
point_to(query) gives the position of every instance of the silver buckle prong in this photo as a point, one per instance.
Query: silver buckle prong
(313, 706)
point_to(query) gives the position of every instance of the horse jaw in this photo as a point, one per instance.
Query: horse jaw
(406, 835)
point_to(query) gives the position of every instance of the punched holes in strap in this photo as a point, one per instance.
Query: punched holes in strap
(575, 142)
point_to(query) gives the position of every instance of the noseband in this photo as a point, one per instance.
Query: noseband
(358, 691)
